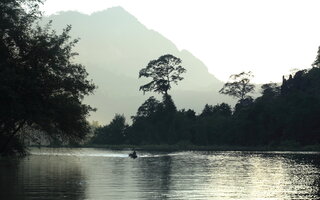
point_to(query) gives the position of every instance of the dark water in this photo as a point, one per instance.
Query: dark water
(102, 174)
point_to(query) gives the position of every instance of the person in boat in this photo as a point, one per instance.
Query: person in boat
(133, 154)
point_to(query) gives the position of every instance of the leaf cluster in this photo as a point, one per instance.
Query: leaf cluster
(164, 71)
(239, 86)
(40, 86)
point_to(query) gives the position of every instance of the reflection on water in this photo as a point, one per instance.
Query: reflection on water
(41, 177)
(102, 174)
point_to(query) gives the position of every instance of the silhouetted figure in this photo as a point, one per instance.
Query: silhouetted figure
(133, 155)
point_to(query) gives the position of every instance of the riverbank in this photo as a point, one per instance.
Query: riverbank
(178, 147)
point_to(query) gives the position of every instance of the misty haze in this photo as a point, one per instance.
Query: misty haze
(99, 106)
(114, 46)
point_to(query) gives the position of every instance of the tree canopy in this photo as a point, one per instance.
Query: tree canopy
(239, 86)
(114, 133)
(285, 116)
(164, 71)
(41, 87)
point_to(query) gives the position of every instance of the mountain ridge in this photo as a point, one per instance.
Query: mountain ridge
(114, 46)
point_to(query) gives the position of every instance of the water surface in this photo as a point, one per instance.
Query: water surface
(96, 174)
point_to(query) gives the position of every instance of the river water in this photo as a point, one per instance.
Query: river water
(95, 174)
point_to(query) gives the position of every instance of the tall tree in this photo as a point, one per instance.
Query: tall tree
(40, 86)
(239, 87)
(164, 71)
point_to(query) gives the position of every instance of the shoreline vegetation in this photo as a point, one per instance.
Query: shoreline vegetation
(43, 91)
(284, 117)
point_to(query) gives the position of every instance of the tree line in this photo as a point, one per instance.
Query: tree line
(284, 115)
(42, 91)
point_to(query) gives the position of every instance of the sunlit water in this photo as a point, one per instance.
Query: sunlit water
(103, 174)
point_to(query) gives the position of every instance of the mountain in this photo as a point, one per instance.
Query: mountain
(114, 46)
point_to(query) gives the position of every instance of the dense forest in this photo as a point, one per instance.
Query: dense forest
(42, 91)
(284, 115)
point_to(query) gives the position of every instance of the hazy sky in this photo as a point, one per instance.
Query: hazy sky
(268, 37)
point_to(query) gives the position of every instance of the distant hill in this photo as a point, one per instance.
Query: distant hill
(114, 46)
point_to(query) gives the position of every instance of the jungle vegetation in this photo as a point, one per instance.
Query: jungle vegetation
(41, 87)
(285, 114)
(42, 93)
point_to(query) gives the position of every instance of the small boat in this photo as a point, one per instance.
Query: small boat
(133, 155)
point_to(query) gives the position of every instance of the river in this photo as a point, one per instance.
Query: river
(94, 174)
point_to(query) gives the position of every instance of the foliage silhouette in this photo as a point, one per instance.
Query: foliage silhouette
(285, 115)
(41, 87)
(114, 133)
(239, 87)
(164, 71)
